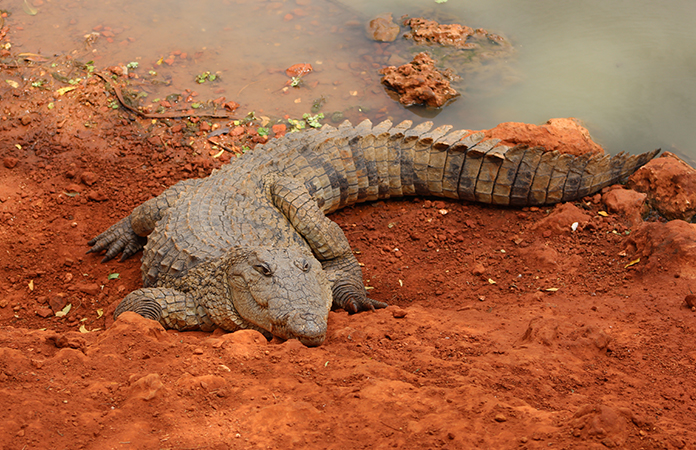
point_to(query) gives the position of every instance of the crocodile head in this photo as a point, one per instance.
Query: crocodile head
(281, 290)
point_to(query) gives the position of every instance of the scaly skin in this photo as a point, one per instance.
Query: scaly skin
(251, 247)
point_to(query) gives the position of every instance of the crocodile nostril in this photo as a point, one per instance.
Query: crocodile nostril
(303, 265)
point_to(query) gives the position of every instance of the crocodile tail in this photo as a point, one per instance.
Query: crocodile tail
(347, 165)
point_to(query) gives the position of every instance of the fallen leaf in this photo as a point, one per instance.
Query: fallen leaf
(603, 213)
(113, 276)
(551, 289)
(491, 281)
(33, 57)
(12, 83)
(100, 312)
(634, 262)
(29, 9)
(64, 312)
(65, 89)
(83, 329)
(31, 285)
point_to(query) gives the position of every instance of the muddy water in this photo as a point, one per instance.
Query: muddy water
(627, 69)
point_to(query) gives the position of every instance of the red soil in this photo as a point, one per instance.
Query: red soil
(505, 330)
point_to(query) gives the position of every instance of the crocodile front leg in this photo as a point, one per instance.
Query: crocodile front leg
(172, 308)
(327, 241)
(127, 235)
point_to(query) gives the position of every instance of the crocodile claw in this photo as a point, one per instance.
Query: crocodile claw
(353, 299)
(119, 238)
(356, 305)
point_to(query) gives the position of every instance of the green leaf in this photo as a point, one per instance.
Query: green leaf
(113, 276)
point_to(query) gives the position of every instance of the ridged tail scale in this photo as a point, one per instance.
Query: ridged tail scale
(347, 165)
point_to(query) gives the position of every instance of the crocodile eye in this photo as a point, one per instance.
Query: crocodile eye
(263, 269)
(303, 265)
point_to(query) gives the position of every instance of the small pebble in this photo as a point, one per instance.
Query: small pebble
(399, 313)
(691, 300)
(10, 162)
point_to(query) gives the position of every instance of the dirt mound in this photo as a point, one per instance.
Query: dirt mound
(565, 135)
(501, 333)
(670, 185)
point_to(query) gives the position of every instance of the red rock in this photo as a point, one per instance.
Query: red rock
(44, 312)
(628, 203)
(298, 70)
(96, 196)
(690, 300)
(89, 178)
(279, 129)
(382, 28)
(73, 187)
(231, 106)
(10, 162)
(88, 288)
(57, 302)
(563, 135)
(670, 184)
(429, 31)
(236, 131)
(478, 270)
(419, 82)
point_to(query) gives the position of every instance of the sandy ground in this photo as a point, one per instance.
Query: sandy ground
(505, 329)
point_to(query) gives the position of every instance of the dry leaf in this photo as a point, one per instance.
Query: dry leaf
(100, 312)
(551, 289)
(64, 312)
(65, 89)
(603, 213)
(634, 262)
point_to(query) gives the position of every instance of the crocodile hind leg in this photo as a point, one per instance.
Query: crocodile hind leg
(127, 236)
(172, 308)
(327, 241)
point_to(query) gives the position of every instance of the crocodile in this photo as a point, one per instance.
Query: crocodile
(251, 247)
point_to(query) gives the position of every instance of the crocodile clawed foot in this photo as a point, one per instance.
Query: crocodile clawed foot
(353, 299)
(364, 304)
(119, 238)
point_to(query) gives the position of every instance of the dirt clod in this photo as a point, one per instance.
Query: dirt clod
(420, 82)
(10, 162)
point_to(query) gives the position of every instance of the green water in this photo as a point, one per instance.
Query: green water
(626, 68)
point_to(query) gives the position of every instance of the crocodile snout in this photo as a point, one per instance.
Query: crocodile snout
(308, 328)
